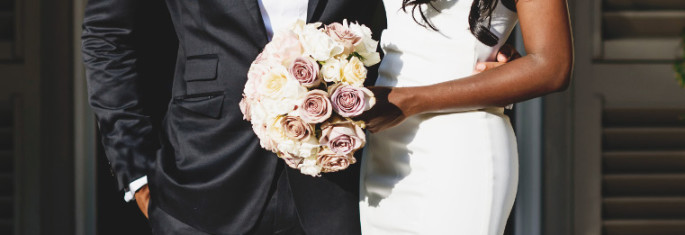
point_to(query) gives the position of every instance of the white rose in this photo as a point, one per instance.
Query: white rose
(368, 44)
(366, 49)
(354, 72)
(293, 94)
(264, 140)
(370, 58)
(319, 45)
(299, 27)
(309, 167)
(331, 70)
(258, 114)
(287, 146)
(309, 148)
(275, 107)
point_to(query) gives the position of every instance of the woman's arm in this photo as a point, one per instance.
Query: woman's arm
(545, 69)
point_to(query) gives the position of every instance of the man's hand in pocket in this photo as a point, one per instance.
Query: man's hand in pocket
(143, 199)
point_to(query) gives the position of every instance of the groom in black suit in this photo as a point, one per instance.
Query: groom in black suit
(204, 166)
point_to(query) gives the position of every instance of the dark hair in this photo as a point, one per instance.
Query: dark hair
(479, 18)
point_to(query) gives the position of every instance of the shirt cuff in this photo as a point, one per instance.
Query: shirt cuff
(133, 188)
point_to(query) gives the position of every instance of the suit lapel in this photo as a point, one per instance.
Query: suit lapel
(314, 10)
(252, 7)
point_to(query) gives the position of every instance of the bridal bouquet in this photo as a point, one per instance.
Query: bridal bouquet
(303, 90)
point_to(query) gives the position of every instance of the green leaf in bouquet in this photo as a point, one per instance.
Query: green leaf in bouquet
(355, 54)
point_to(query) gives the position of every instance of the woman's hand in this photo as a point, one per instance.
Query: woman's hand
(506, 54)
(392, 108)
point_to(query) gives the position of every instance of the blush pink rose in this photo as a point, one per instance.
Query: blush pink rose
(342, 137)
(262, 56)
(332, 162)
(295, 128)
(306, 71)
(284, 46)
(316, 107)
(343, 35)
(245, 109)
(351, 101)
(264, 140)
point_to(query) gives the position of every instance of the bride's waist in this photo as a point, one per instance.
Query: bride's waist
(455, 124)
(409, 70)
(459, 116)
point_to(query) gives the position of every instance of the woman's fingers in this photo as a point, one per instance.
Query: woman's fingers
(507, 53)
(484, 66)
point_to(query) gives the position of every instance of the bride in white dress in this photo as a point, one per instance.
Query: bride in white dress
(443, 158)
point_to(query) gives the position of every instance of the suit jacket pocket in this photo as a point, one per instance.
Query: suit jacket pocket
(201, 73)
(209, 104)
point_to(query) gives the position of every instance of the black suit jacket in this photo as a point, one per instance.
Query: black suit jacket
(204, 164)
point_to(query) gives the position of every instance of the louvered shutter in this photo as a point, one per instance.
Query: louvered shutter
(643, 178)
(641, 30)
(7, 170)
(9, 36)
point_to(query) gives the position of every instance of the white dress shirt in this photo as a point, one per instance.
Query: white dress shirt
(280, 14)
(277, 15)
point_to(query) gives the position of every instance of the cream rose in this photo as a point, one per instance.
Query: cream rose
(281, 92)
(332, 70)
(354, 72)
(273, 82)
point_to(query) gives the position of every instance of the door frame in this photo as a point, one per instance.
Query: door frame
(84, 136)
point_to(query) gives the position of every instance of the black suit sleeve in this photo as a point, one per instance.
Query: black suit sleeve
(115, 87)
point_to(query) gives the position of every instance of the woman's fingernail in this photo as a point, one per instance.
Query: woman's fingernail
(502, 58)
(480, 67)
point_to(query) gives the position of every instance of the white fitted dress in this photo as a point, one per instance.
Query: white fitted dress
(440, 173)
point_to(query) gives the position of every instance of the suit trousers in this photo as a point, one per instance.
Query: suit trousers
(278, 217)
